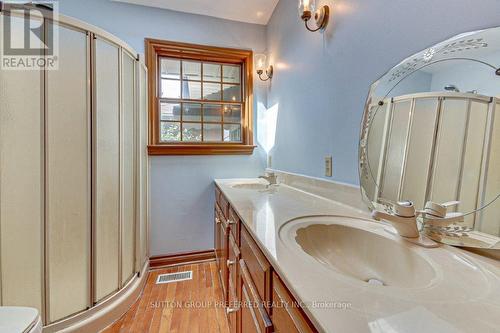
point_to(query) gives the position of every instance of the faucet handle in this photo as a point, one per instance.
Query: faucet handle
(439, 210)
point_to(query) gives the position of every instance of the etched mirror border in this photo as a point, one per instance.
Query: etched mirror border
(461, 47)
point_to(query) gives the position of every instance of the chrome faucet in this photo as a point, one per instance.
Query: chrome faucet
(404, 219)
(271, 178)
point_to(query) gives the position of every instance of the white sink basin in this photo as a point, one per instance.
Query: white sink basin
(361, 254)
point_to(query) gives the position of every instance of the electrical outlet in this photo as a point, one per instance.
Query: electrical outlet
(328, 166)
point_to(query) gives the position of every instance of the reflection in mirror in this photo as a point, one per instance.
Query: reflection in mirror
(431, 132)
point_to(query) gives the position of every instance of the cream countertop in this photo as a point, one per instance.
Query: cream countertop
(464, 296)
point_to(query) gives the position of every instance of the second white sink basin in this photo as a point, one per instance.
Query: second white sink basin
(251, 186)
(346, 247)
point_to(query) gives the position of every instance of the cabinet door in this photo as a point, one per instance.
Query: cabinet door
(106, 169)
(68, 177)
(287, 314)
(258, 267)
(21, 184)
(127, 187)
(253, 315)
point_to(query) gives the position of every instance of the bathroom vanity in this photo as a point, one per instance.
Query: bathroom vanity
(248, 278)
(314, 246)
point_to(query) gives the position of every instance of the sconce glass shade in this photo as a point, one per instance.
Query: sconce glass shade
(260, 62)
(306, 7)
(262, 67)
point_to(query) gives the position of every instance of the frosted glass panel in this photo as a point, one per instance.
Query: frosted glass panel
(128, 168)
(143, 171)
(445, 181)
(21, 198)
(472, 161)
(68, 178)
(419, 154)
(376, 142)
(490, 218)
(107, 169)
(396, 150)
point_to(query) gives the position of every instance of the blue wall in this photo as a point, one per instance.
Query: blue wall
(318, 91)
(322, 79)
(181, 214)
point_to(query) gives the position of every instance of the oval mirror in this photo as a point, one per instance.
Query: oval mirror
(431, 133)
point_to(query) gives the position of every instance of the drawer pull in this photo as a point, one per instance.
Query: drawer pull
(231, 262)
(217, 220)
(230, 222)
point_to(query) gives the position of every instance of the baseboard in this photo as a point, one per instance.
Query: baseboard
(156, 262)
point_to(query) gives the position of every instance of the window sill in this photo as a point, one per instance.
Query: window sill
(200, 149)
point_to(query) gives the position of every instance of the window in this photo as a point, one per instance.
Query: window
(200, 99)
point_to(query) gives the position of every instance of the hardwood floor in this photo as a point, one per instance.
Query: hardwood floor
(182, 307)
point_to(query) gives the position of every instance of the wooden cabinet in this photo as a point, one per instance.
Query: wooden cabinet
(233, 282)
(221, 249)
(254, 317)
(258, 267)
(287, 317)
(234, 224)
(251, 288)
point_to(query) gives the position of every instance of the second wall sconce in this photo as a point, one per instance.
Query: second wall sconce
(321, 16)
(260, 66)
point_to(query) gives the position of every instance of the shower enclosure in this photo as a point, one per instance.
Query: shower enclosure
(73, 179)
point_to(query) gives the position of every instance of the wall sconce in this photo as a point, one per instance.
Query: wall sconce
(321, 16)
(260, 65)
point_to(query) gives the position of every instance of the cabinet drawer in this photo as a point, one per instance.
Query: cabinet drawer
(258, 266)
(253, 315)
(234, 224)
(287, 316)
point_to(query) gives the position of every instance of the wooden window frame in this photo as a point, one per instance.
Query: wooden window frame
(156, 49)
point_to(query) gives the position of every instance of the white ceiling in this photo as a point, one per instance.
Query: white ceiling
(251, 11)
